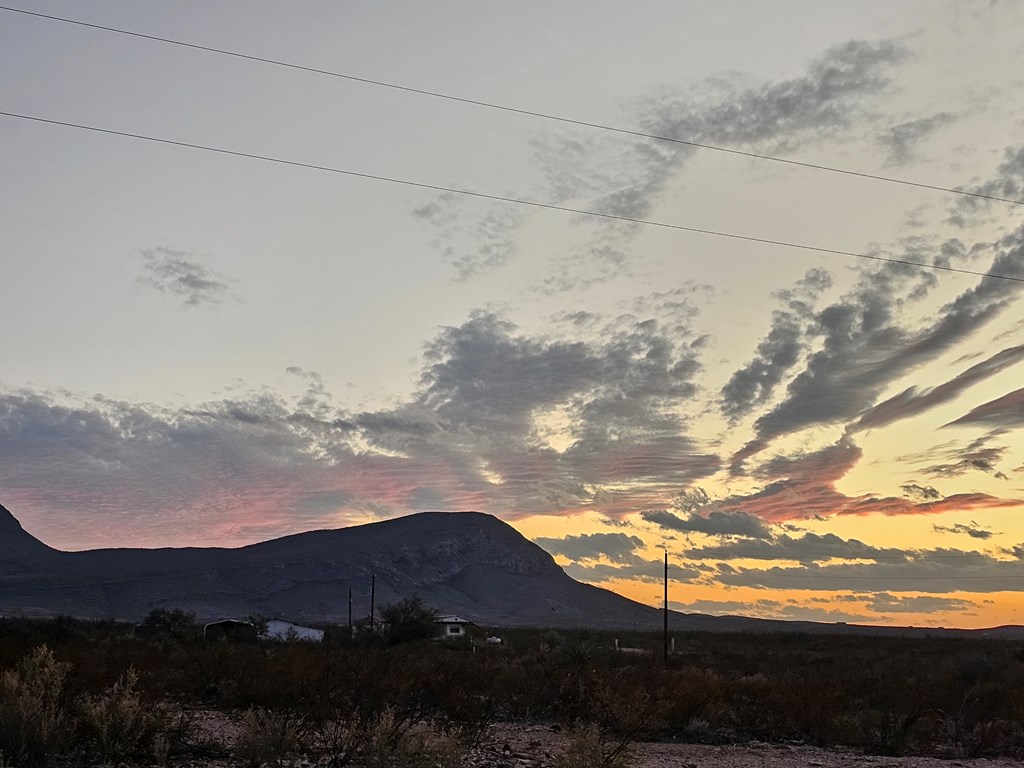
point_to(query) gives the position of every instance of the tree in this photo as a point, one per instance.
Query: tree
(173, 622)
(407, 620)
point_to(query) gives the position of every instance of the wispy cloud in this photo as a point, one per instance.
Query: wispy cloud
(902, 140)
(182, 274)
(913, 401)
(1006, 411)
(616, 547)
(971, 529)
(600, 172)
(866, 347)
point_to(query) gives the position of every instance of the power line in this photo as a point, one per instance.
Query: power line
(504, 199)
(514, 110)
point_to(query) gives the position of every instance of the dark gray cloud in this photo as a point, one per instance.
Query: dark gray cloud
(259, 465)
(884, 602)
(713, 523)
(651, 571)
(918, 491)
(977, 456)
(1008, 183)
(617, 547)
(865, 347)
(486, 389)
(778, 352)
(901, 140)
(784, 610)
(930, 571)
(913, 401)
(472, 242)
(829, 96)
(182, 274)
(1005, 412)
(973, 530)
(810, 547)
(473, 436)
(83, 469)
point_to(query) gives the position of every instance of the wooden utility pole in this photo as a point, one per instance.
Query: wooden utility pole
(666, 609)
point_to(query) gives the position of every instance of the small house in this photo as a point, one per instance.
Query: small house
(454, 627)
(279, 629)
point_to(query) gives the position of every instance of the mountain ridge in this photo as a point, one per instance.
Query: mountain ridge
(460, 562)
(467, 563)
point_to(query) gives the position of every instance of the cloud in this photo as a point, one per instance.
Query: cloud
(780, 610)
(901, 140)
(472, 244)
(181, 274)
(778, 352)
(617, 547)
(975, 458)
(714, 523)
(619, 392)
(97, 470)
(810, 547)
(973, 530)
(1008, 183)
(884, 602)
(1006, 411)
(803, 486)
(597, 171)
(924, 492)
(501, 421)
(828, 96)
(913, 401)
(865, 348)
(930, 571)
(649, 571)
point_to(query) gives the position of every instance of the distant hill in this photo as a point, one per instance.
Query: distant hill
(466, 563)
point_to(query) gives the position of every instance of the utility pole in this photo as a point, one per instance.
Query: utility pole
(666, 608)
(373, 598)
(351, 629)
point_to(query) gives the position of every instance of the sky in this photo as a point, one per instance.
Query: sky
(207, 349)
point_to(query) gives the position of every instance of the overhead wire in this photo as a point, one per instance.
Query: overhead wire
(514, 110)
(506, 199)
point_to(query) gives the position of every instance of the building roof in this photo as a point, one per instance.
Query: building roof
(453, 620)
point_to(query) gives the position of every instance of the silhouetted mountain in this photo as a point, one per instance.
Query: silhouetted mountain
(17, 546)
(465, 563)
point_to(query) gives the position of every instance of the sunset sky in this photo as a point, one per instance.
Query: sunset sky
(206, 349)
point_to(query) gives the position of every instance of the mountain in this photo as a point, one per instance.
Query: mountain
(18, 548)
(464, 563)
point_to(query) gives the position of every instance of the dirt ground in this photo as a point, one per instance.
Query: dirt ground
(515, 745)
(511, 746)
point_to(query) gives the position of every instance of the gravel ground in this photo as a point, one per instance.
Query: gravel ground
(515, 745)
(512, 746)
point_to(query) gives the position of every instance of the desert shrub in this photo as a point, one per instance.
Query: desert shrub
(685, 698)
(118, 724)
(266, 737)
(165, 623)
(586, 748)
(394, 743)
(36, 713)
(408, 620)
